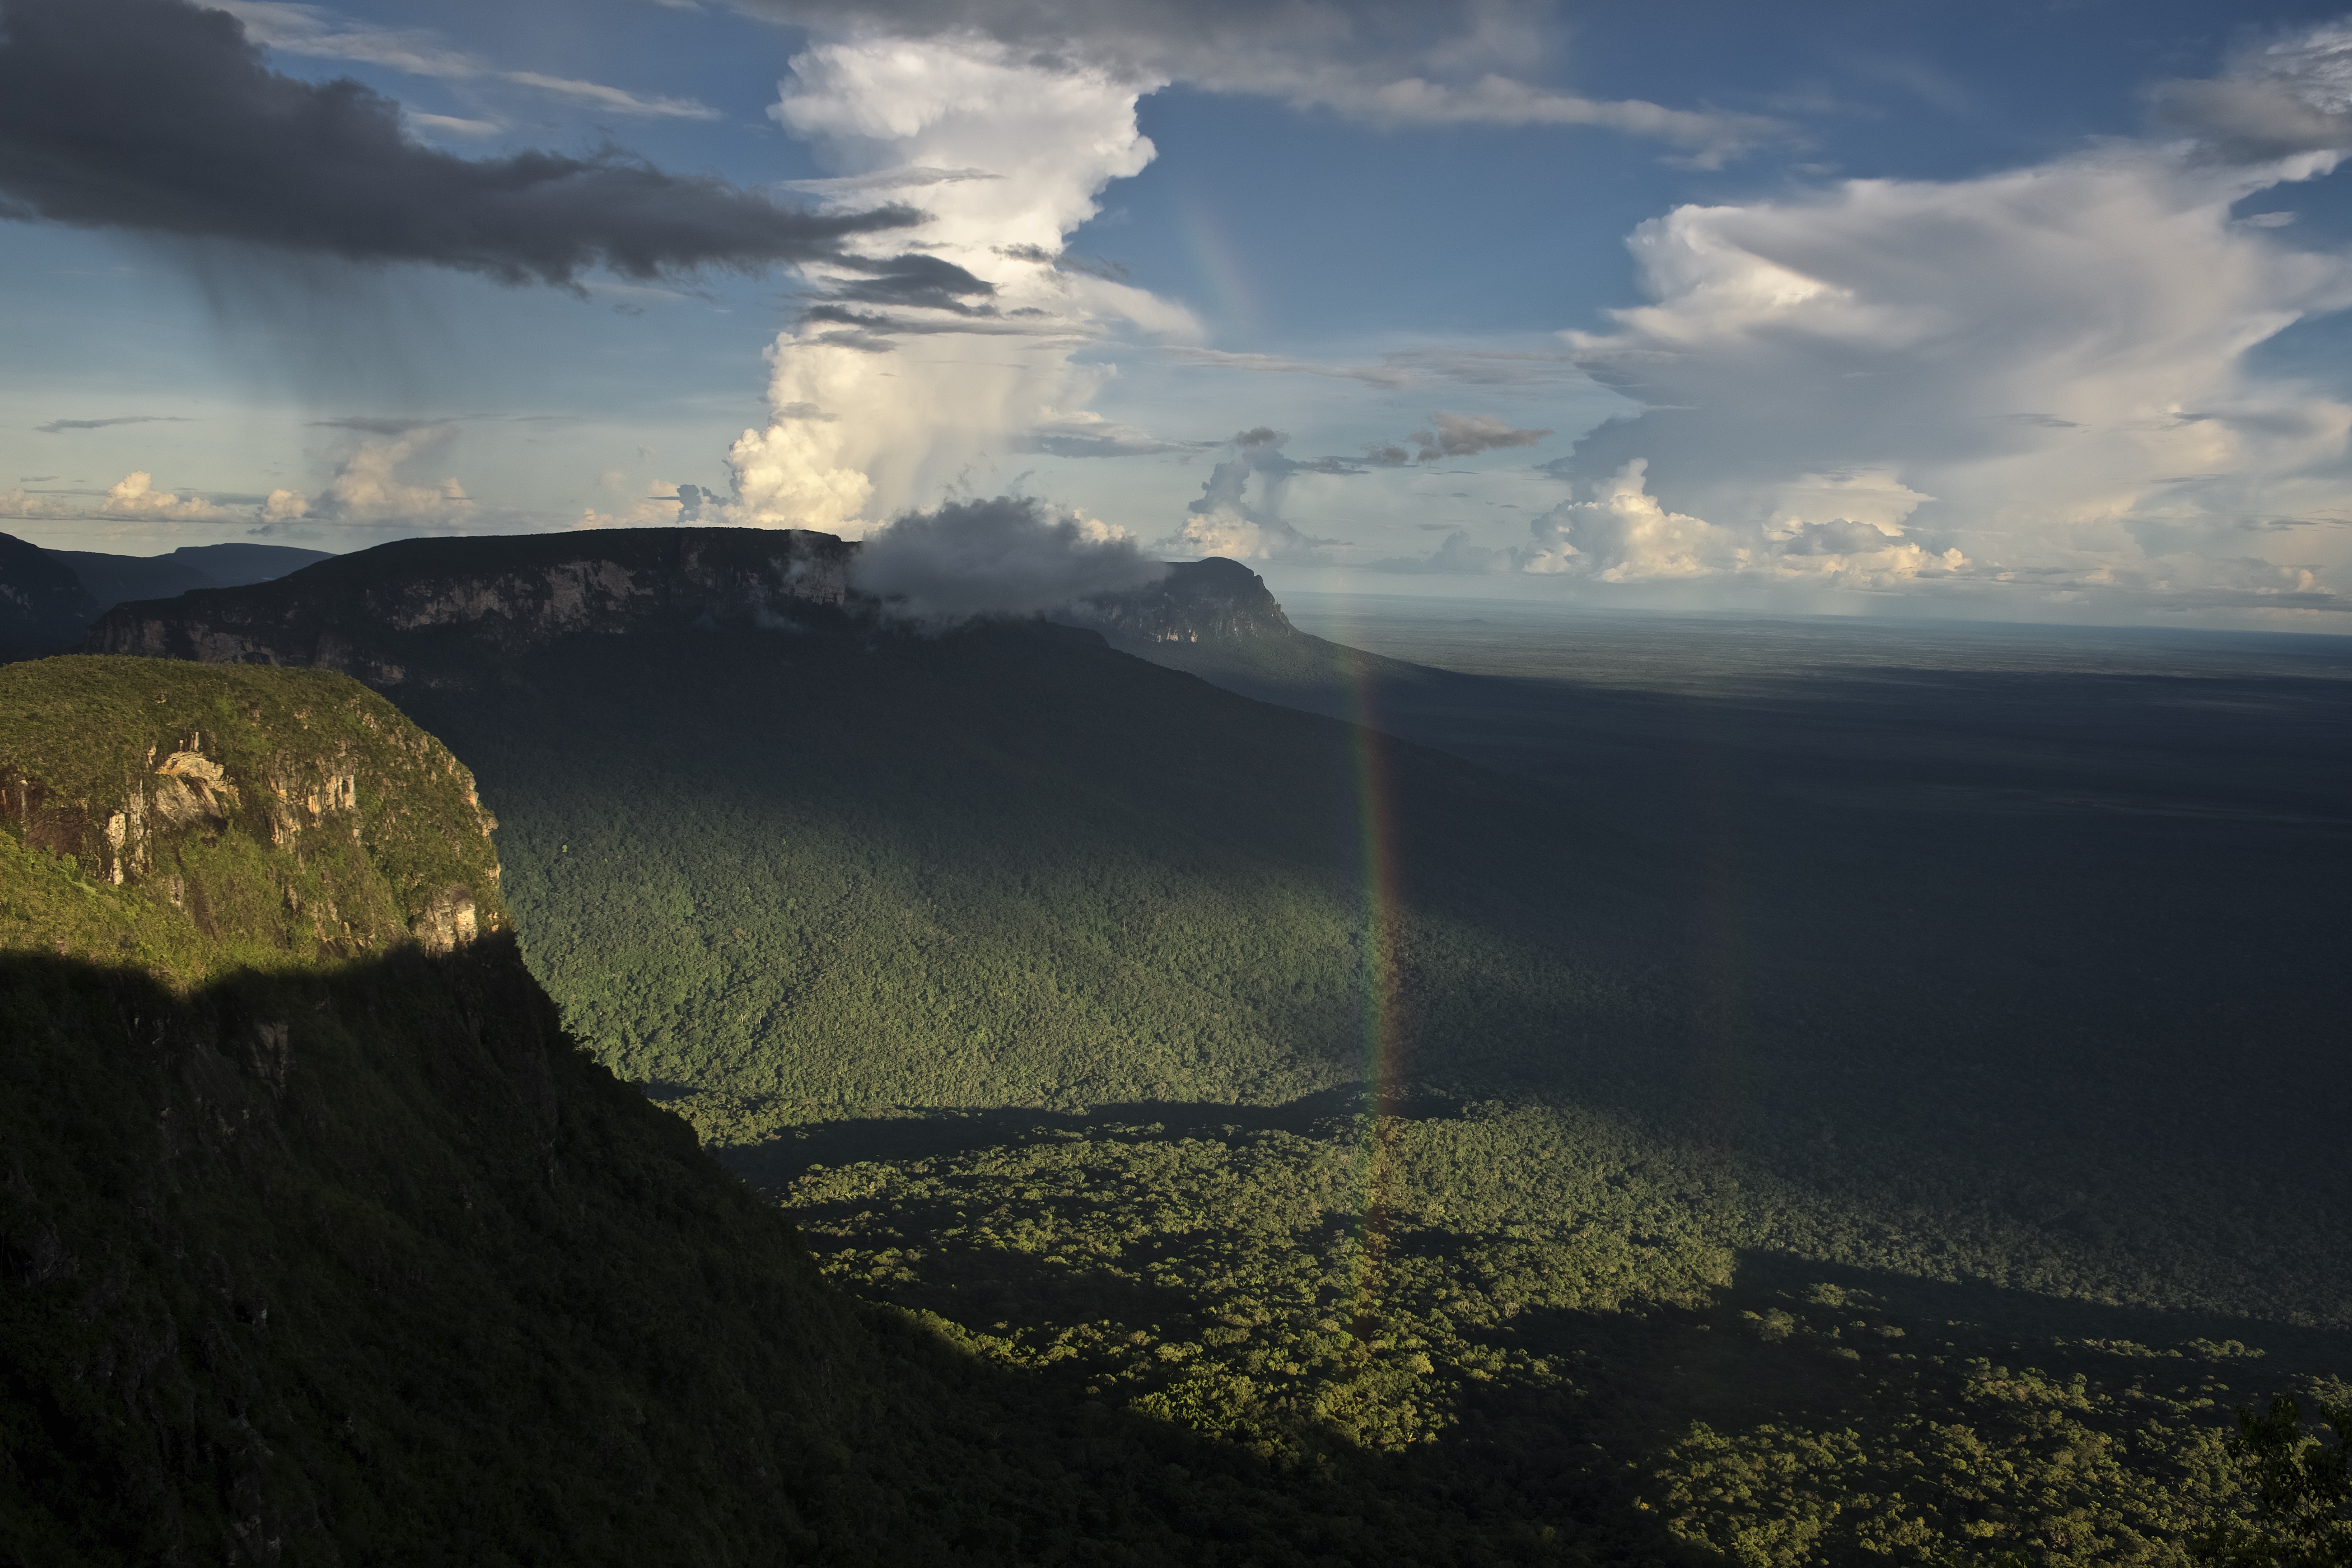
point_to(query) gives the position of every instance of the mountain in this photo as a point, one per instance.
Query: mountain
(322, 1241)
(43, 605)
(1218, 620)
(432, 611)
(1331, 1100)
(111, 579)
(49, 597)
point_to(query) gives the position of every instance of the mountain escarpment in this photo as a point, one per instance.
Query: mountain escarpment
(441, 612)
(322, 1241)
(319, 1240)
(233, 819)
(446, 613)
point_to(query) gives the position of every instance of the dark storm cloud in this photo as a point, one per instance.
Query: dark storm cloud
(58, 427)
(1467, 435)
(157, 116)
(914, 280)
(374, 424)
(1010, 555)
(881, 326)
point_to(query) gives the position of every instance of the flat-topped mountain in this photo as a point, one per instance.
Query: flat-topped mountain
(1198, 601)
(111, 579)
(429, 610)
(49, 597)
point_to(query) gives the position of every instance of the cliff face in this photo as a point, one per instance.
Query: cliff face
(430, 611)
(234, 817)
(320, 1241)
(1198, 603)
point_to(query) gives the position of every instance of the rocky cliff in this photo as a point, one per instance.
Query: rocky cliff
(441, 611)
(216, 817)
(1198, 603)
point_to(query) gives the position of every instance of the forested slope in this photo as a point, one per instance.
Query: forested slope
(1361, 1112)
(321, 1254)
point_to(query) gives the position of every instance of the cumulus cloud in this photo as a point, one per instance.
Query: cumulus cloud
(1011, 555)
(1467, 435)
(377, 485)
(1011, 153)
(1624, 535)
(1442, 64)
(132, 499)
(157, 116)
(1010, 120)
(2040, 377)
(1239, 512)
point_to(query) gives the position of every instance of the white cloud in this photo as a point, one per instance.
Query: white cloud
(1226, 521)
(1710, 139)
(1624, 535)
(132, 499)
(1437, 64)
(918, 392)
(2041, 378)
(373, 485)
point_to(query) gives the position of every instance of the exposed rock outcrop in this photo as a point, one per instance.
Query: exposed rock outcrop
(439, 612)
(1210, 602)
(287, 812)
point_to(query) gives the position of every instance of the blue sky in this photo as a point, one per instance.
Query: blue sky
(2020, 310)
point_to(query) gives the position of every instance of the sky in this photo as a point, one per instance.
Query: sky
(1998, 310)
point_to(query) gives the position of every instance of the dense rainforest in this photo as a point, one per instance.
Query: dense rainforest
(1343, 1152)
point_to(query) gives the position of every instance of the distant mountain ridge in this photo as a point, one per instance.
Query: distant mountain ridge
(426, 610)
(111, 579)
(49, 597)
(43, 604)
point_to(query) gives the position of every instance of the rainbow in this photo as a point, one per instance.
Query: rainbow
(1382, 910)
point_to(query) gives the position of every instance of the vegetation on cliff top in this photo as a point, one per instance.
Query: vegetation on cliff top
(198, 818)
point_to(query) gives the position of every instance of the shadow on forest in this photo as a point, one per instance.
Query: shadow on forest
(772, 1165)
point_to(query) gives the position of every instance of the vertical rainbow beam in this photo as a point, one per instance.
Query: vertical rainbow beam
(1379, 963)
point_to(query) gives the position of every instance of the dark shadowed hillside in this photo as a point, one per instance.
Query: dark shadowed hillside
(49, 597)
(1315, 1094)
(324, 1243)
